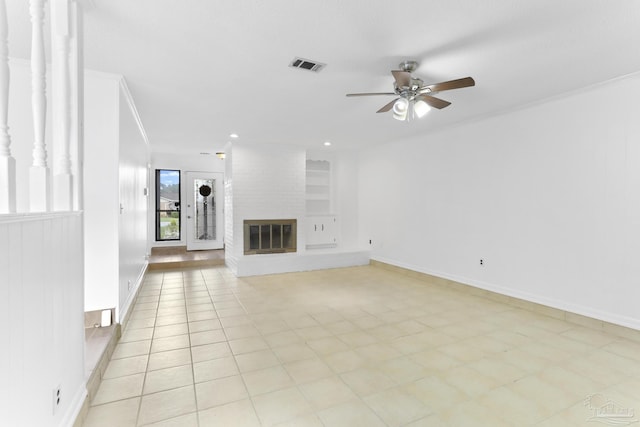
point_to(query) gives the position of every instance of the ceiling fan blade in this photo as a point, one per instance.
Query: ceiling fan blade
(387, 107)
(403, 78)
(371, 94)
(451, 84)
(433, 101)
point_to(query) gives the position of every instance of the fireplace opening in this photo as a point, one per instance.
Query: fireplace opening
(270, 236)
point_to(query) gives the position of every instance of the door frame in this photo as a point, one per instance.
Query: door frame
(189, 207)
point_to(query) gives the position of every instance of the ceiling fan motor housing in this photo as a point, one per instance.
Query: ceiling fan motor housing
(408, 66)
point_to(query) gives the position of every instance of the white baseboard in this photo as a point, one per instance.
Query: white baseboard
(75, 408)
(123, 312)
(565, 309)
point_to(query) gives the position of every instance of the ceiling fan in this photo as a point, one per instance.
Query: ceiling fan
(414, 97)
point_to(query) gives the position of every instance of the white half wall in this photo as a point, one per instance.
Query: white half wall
(42, 317)
(547, 196)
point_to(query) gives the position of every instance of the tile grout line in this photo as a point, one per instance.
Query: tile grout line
(234, 357)
(193, 373)
(146, 371)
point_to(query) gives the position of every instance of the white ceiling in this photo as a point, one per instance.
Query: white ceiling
(202, 69)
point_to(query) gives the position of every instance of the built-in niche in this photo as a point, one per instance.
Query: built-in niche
(318, 187)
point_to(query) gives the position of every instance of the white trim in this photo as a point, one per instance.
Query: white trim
(532, 104)
(75, 407)
(525, 296)
(231, 263)
(37, 216)
(134, 110)
(103, 75)
(119, 78)
(556, 97)
(122, 312)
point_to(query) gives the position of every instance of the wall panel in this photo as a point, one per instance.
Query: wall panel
(42, 306)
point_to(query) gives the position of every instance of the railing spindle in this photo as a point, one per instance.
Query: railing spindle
(63, 179)
(39, 194)
(7, 163)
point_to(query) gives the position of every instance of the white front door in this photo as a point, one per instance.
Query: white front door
(204, 210)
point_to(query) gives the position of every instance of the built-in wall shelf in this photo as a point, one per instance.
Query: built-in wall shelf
(321, 223)
(318, 187)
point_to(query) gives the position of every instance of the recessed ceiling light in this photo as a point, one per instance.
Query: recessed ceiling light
(233, 135)
(327, 143)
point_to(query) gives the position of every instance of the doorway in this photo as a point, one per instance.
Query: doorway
(204, 212)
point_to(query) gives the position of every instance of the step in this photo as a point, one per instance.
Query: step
(172, 257)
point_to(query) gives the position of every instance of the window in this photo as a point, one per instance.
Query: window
(167, 204)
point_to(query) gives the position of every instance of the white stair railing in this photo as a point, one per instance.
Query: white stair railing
(7, 162)
(51, 184)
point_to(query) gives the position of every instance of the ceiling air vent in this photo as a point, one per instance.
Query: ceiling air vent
(307, 64)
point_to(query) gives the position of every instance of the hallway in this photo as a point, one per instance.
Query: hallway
(360, 346)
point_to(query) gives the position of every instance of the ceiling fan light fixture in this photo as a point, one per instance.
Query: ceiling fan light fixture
(416, 98)
(421, 108)
(400, 109)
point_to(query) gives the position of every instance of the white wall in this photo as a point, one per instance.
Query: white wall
(101, 200)
(133, 192)
(41, 312)
(183, 163)
(115, 178)
(547, 196)
(268, 183)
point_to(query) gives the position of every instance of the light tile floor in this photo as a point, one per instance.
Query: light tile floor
(354, 347)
